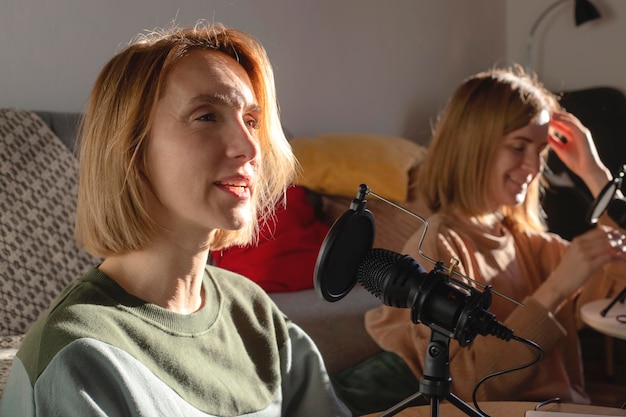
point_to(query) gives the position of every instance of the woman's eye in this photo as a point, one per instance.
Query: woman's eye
(252, 123)
(208, 117)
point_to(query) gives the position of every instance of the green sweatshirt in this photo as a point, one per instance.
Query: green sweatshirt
(99, 351)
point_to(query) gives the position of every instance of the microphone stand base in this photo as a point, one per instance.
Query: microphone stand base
(434, 405)
(435, 384)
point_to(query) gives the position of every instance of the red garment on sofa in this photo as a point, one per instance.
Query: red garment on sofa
(284, 259)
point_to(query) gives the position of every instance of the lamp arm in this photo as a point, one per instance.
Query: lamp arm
(531, 34)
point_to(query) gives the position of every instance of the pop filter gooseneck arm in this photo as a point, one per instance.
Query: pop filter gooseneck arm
(450, 269)
(349, 240)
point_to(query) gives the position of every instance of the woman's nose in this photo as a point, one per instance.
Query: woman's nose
(243, 142)
(532, 163)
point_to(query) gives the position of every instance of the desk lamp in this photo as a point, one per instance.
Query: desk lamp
(584, 11)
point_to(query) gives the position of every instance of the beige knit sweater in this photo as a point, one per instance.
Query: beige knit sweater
(514, 264)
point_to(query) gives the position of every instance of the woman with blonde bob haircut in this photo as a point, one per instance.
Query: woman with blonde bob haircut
(111, 211)
(481, 181)
(463, 147)
(181, 153)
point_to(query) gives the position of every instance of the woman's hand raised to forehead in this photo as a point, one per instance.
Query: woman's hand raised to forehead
(577, 150)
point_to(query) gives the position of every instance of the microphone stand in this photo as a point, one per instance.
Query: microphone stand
(459, 303)
(621, 297)
(435, 383)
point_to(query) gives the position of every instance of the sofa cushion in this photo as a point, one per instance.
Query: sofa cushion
(38, 254)
(64, 125)
(8, 348)
(337, 164)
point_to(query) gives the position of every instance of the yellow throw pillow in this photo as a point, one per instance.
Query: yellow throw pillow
(337, 164)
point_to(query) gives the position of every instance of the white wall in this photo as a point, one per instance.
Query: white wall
(567, 57)
(341, 65)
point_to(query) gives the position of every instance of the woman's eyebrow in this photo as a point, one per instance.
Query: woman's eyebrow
(233, 100)
(528, 139)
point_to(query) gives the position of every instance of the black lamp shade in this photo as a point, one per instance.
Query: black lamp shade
(585, 11)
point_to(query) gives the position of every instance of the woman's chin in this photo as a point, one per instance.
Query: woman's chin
(241, 222)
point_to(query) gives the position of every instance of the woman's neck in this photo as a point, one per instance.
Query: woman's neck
(491, 223)
(171, 279)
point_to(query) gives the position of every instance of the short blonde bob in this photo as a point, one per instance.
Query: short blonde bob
(483, 109)
(112, 216)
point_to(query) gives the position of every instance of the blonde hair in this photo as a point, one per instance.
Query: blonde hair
(112, 215)
(483, 109)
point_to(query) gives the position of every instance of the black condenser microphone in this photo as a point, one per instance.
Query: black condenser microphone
(448, 306)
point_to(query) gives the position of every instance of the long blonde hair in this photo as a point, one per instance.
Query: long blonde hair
(483, 109)
(112, 216)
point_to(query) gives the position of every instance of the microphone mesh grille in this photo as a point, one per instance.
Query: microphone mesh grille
(373, 269)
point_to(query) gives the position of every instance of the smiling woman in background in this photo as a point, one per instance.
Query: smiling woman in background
(182, 152)
(481, 180)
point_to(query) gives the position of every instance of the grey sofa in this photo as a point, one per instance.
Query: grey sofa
(38, 256)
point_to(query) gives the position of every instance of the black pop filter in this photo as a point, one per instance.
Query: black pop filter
(346, 244)
(610, 201)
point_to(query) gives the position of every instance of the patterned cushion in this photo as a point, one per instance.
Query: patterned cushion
(8, 349)
(38, 254)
